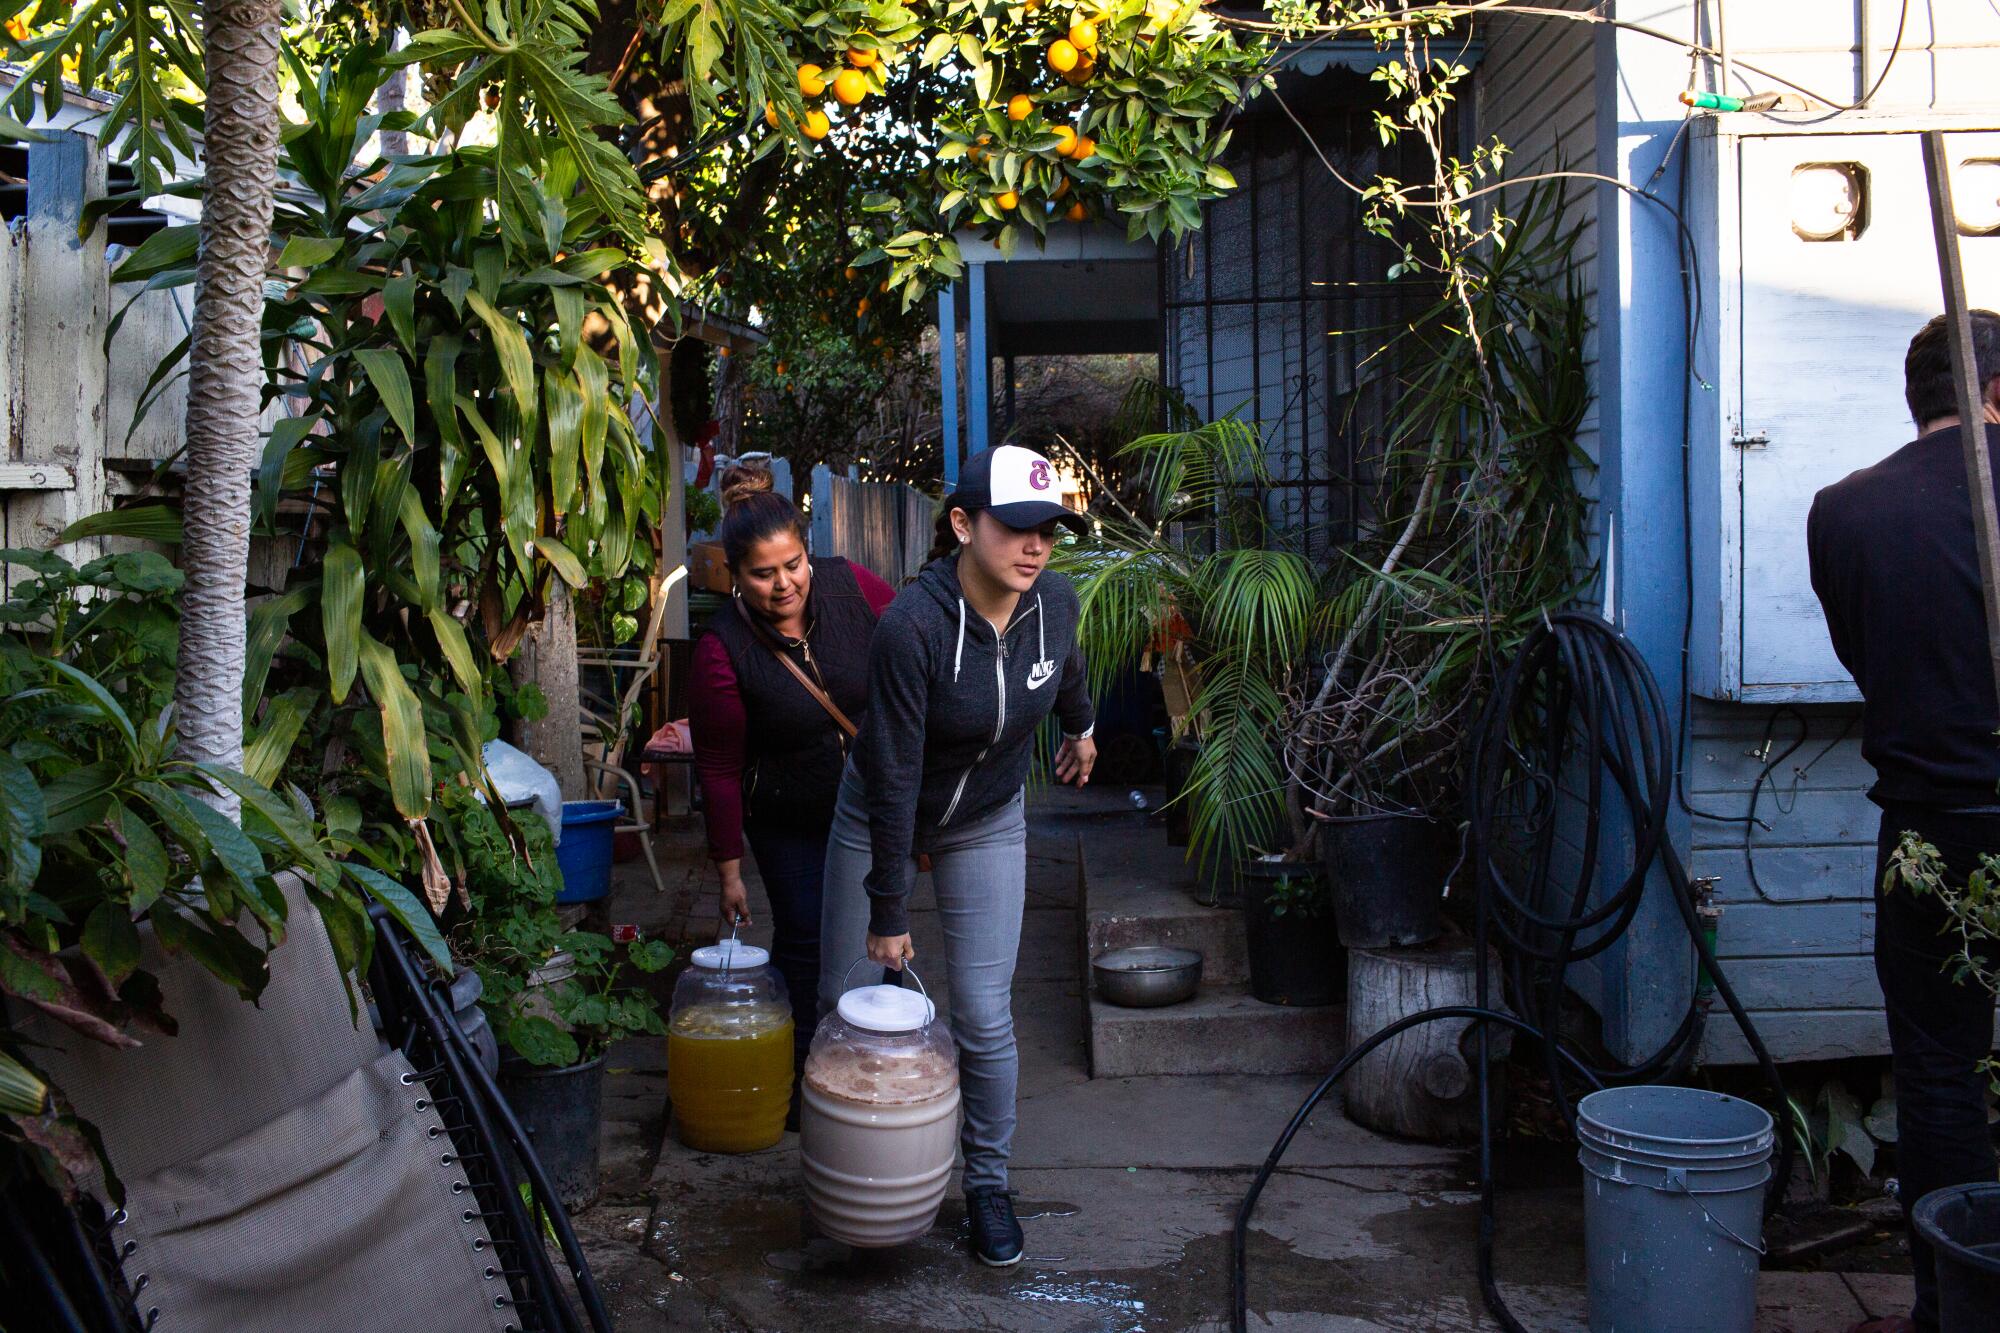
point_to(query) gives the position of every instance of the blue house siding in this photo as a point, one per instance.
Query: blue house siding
(1798, 940)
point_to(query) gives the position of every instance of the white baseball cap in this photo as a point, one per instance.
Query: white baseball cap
(1015, 485)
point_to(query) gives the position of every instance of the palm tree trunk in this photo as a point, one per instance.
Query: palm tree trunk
(226, 373)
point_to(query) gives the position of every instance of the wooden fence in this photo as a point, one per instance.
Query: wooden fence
(69, 395)
(884, 525)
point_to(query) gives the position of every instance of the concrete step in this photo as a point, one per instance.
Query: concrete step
(1221, 1031)
(1138, 891)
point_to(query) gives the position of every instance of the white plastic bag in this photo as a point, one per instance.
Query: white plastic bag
(517, 777)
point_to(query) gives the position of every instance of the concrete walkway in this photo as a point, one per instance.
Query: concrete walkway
(1127, 1188)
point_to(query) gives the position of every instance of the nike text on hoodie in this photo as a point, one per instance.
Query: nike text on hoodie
(952, 713)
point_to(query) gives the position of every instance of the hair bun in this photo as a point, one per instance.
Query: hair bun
(740, 481)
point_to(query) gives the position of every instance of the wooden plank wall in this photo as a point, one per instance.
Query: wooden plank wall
(883, 525)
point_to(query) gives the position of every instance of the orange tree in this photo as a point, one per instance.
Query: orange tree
(758, 121)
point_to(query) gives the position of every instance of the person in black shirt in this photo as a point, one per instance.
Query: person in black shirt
(1896, 567)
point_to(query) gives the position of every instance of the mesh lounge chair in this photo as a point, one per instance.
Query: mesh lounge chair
(286, 1169)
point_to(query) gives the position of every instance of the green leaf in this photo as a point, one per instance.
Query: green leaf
(565, 418)
(423, 536)
(146, 864)
(270, 620)
(24, 817)
(143, 522)
(265, 753)
(282, 818)
(540, 1041)
(457, 650)
(22, 1092)
(342, 582)
(100, 698)
(404, 907)
(563, 559)
(286, 433)
(309, 251)
(111, 940)
(391, 378)
(517, 364)
(402, 728)
(162, 252)
(399, 300)
(233, 851)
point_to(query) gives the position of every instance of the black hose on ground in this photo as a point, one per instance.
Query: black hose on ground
(1577, 705)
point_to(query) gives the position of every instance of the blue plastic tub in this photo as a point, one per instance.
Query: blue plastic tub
(584, 855)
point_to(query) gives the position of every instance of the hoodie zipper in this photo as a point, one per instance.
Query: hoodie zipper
(999, 724)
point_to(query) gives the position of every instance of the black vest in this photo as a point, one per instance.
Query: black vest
(793, 751)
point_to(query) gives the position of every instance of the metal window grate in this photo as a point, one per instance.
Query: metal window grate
(1278, 307)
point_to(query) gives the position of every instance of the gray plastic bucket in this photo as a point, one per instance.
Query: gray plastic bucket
(1673, 1208)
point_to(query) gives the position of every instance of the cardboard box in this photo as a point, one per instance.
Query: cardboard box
(707, 570)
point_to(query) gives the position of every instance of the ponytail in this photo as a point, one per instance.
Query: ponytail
(944, 541)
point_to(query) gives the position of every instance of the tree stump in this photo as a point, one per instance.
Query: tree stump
(1420, 1084)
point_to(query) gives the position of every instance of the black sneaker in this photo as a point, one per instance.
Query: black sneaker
(996, 1236)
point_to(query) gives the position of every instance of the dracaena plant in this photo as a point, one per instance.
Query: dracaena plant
(106, 836)
(457, 439)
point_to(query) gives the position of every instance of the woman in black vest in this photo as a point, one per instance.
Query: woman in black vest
(768, 749)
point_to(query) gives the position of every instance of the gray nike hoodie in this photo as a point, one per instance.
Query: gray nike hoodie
(952, 713)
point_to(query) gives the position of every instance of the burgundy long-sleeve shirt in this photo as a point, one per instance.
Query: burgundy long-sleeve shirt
(717, 722)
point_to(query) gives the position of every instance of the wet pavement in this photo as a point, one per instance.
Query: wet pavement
(1127, 1187)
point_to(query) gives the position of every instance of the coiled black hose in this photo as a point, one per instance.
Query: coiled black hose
(1577, 706)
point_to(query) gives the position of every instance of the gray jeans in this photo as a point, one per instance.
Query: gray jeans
(980, 875)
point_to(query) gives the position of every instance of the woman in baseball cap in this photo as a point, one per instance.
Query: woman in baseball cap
(967, 663)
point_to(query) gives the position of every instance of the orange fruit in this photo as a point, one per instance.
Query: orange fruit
(1007, 199)
(1083, 36)
(1062, 56)
(850, 273)
(884, 288)
(810, 83)
(850, 86)
(771, 114)
(1077, 212)
(1085, 146)
(859, 58)
(1080, 75)
(781, 368)
(1068, 137)
(817, 125)
(1020, 106)
(1062, 188)
(862, 308)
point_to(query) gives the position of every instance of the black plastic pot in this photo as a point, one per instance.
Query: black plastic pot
(1295, 959)
(1387, 876)
(1179, 764)
(562, 1110)
(1962, 1224)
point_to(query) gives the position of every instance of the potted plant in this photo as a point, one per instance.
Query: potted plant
(1477, 533)
(1293, 947)
(1184, 570)
(556, 998)
(1961, 1222)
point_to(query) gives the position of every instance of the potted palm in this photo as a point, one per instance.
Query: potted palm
(1185, 569)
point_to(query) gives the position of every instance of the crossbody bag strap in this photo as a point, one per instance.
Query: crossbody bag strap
(819, 695)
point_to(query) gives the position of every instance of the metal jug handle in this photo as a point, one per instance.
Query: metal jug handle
(908, 970)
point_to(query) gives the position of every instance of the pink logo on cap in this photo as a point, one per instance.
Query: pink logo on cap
(1038, 476)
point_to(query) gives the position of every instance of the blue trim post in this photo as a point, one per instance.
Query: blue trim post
(978, 366)
(947, 323)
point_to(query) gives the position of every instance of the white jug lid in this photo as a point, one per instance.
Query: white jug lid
(886, 1009)
(730, 955)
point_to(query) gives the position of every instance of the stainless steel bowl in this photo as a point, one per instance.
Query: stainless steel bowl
(1146, 977)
